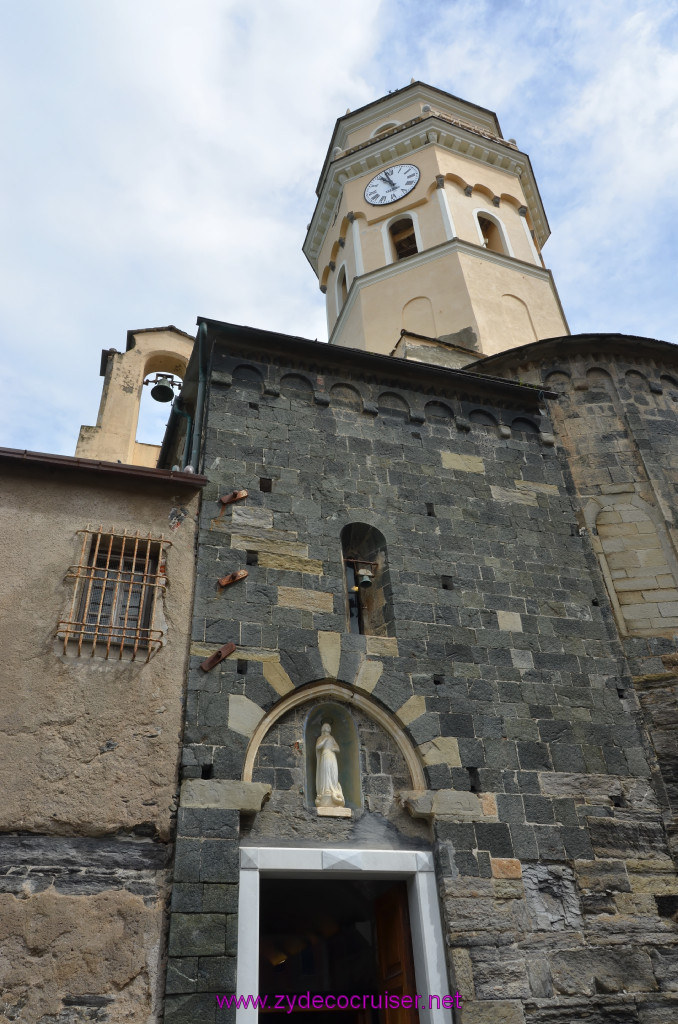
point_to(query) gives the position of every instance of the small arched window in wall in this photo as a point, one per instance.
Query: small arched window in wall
(403, 240)
(369, 594)
(491, 232)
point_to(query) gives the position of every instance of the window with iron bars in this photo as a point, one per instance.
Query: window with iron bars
(117, 582)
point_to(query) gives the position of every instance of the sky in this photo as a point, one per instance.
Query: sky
(160, 159)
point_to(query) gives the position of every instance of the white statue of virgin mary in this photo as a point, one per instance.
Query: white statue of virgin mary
(327, 788)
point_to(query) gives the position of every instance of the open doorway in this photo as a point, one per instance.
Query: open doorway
(283, 866)
(335, 938)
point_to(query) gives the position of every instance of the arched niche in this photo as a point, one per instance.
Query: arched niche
(403, 239)
(297, 388)
(558, 380)
(345, 732)
(393, 406)
(248, 377)
(418, 316)
(439, 413)
(522, 425)
(484, 419)
(335, 692)
(344, 396)
(401, 236)
(518, 320)
(601, 386)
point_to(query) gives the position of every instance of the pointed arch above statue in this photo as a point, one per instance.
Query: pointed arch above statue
(337, 692)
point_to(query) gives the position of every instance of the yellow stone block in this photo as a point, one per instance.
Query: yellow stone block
(257, 654)
(463, 463)
(655, 885)
(519, 497)
(290, 563)
(618, 529)
(411, 709)
(250, 542)
(243, 714)
(368, 676)
(276, 675)
(329, 645)
(506, 867)
(605, 518)
(534, 485)
(442, 750)
(488, 802)
(510, 621)
(382, 646)
(305, 600)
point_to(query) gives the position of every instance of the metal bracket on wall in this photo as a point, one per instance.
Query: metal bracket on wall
(227, 499)
(217, 657)
(233, 577)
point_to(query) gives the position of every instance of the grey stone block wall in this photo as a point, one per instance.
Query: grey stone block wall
(506, 674)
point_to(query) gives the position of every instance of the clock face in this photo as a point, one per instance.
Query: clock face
(391, 184)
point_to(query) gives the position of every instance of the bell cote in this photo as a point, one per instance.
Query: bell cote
(428, 231)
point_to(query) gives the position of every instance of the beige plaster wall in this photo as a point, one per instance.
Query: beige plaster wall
(89, 753)
(488, 284)
(52, 944)
(88, 746)
(376, 320)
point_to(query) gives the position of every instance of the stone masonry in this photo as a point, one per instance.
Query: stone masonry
(506, 675)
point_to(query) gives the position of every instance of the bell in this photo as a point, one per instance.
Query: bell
(162, 390)
(365, 577)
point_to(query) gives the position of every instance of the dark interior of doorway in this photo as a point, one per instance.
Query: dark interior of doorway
(336, 937)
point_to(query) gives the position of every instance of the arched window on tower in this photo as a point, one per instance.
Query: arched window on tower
(368, 582)
(403, 239)
(492, 237)
(342, 289)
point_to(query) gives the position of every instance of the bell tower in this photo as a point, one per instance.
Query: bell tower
(427, 233)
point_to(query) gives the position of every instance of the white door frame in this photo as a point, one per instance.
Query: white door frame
(415, 866)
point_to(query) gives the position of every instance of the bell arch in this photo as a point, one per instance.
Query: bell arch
(332, 691)
(113, 438)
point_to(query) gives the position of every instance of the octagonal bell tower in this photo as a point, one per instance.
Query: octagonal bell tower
(427, 234)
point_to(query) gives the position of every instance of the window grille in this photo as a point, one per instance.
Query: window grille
(117, 582)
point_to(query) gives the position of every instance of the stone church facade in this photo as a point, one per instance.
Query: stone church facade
(543, 735)
(455, 545)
